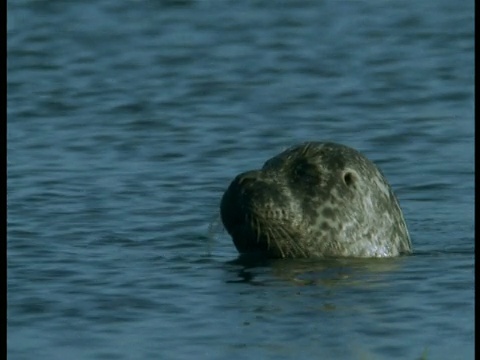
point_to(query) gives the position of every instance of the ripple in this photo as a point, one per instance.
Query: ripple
(126, 123)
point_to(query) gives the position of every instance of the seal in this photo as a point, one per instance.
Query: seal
(315, 200)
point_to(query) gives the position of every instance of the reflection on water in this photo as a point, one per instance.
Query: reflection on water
(320, 272)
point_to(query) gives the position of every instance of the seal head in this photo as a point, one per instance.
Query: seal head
(315, 200)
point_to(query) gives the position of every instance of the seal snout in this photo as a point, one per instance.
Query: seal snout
(241, 198)
(241, 190)
(250, 208)
(236, 200)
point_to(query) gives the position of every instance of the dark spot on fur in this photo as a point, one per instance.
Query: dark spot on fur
(324, 226)
(306, 172)
(328, 213)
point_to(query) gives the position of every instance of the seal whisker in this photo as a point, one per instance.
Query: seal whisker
(282, 248)
(300, 249)
(271, 235)
(259, 230)
(286, 241)
(282, 244)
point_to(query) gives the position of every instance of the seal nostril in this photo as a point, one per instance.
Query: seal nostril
(245, 181)
(248, 178)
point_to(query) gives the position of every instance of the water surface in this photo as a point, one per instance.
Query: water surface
(127, 121)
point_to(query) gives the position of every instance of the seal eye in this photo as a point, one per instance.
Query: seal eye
(349, 178)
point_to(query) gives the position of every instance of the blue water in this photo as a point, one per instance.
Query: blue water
(128, 119)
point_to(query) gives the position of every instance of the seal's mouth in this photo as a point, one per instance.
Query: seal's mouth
(252, 213)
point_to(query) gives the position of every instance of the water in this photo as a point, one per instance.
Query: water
(127, 121)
